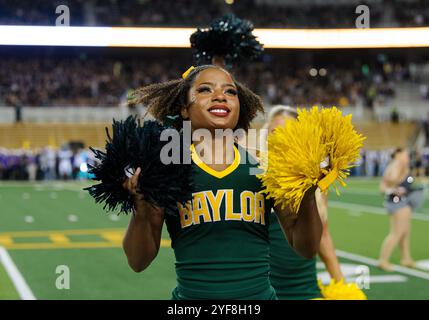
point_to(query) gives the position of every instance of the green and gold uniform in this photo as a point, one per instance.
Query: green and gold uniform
(292, 276)
(221, 239)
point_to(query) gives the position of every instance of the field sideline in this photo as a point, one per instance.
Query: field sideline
(46, 225)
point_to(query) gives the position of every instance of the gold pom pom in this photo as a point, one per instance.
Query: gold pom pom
(341, 291)
(318, 148)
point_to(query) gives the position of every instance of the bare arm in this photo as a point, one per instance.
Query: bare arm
(143, 236)
(303, 230)
(328, 255)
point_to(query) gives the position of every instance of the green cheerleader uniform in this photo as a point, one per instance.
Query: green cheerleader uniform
(292, 276)
(220, 238)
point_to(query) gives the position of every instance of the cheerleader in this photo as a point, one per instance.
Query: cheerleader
(401, 199)
(294, 276)
(220, 236)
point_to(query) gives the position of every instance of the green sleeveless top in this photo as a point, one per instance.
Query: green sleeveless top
(220, 240)
(292, 276)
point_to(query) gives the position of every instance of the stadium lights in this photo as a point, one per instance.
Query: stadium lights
(179, 37)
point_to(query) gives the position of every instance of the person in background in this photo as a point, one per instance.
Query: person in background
(293, 276)
(395, 184)
(65, 162)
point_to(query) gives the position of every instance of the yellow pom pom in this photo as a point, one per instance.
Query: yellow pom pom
(341, 291)
(298, 154)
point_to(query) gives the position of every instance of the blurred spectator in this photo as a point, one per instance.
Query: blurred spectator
(424, 91)
(65, 168)
(47, 163)
(371, 160)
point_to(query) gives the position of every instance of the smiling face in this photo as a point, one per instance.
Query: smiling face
(213, 101)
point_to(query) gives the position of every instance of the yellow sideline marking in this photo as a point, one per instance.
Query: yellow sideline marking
(46, 233)
(115, 237)
(5, 240)
(58, 238)
(73, 245)
(110, 238)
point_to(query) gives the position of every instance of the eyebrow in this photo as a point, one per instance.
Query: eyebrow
(223, 85)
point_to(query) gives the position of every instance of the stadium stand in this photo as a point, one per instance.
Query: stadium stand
(263, 13)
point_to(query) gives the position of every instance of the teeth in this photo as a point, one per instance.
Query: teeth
(219, 110)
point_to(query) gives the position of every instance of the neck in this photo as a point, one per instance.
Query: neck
(216, 150)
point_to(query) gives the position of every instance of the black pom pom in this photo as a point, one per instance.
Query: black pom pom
(228, 37)
(134, 145)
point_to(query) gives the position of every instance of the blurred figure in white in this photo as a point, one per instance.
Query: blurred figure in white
(65, 162)
(31, 166)
(47, 162)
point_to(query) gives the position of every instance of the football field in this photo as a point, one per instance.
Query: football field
(56, 243)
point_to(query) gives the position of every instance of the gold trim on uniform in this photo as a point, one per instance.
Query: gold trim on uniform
(218, 174)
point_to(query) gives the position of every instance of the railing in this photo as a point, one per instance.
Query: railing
(63, 114)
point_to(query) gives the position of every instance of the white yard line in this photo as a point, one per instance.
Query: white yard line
(371, 209)
(373, 262)
(16, 277)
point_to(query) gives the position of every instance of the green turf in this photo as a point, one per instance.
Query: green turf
(85, 238)
(32, 239)
(363, 234)
(103, 273)
(412, 287)
(96, 274)
(7, 290)
(51, 213)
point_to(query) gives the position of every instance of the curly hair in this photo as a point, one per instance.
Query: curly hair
(169, 98)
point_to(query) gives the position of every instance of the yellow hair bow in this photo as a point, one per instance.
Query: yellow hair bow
(187, 72)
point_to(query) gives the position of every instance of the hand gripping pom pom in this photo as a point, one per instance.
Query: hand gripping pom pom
(134, 145)
(341, 291)
(318, 148)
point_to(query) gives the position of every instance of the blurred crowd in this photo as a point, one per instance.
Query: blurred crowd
(67, 162)
(57, 81)
(372, 163)
(332, 85)
(198, 13)
(412, 13)
(71, 163)
(103, 81)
